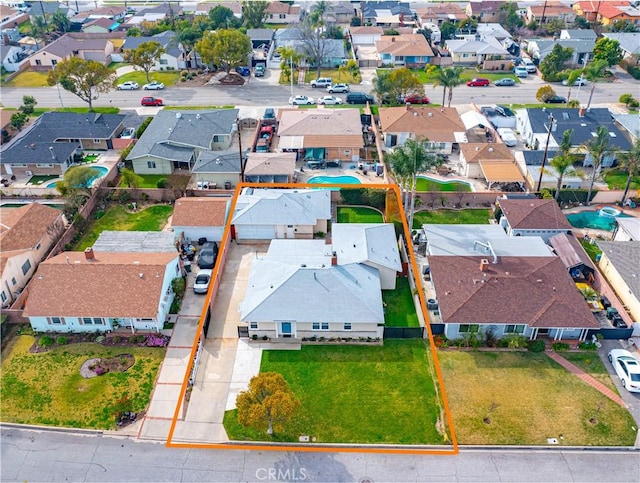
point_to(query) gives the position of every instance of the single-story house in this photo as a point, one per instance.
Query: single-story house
(88, 46)
(620, 265)
(441, 126)
(478, 50)
(629, 43)
(176, 139)
(217, 169)
(321, 134)
(114, 13)
(267, 214)
(282, 13)
(135, 241)
(495, 30)
(26, 236)
(53, 140)
(607, 13)
(570, 251)
(172, 58)
(532, 217)
(200, 217)
(438, 13)
(627, 229)
(591, 9)
(405, 50)
(270, 168)
(365, 35)
(630, 123)
(333, 50)
(260, 37)
(153, 14)
(550, 11)
(205, 8)
(41, 8)
(484, 10)
(102, 291)
(100, 25)
(371, 244)
(580, 34)
(582, 48)
(10, 57)
(387, 13)
(526, 296)
(492, 162)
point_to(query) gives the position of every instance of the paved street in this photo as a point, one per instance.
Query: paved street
(53, 456)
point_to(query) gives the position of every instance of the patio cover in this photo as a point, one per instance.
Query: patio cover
(314, 153)
(472, 119)
(501, 172)
(291, 142)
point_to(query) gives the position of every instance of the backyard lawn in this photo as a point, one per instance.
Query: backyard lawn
(464, 217)
(424, 184)
(356, 214)
(47, 388)
(616, 180)
(146, 180)
(119, 218)
(399, 310)
(168, 78)
(39, 179)
(356, 394)
(522, 398)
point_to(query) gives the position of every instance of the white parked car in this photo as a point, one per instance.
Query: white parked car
(521, 71)
(580, 81)
(128, 133)
(337, 88)
(301, 101)
(153, 86)
(128, 86)
(508, 136)
(627, 368)
(202, 281)
(329, 100)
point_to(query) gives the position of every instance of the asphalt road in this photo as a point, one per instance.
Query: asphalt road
(260, 92)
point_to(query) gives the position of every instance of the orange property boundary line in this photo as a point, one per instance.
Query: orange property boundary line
(302, 447)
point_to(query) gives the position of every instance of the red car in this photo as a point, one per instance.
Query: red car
(151, 101)
(479, 82)
(416, 99)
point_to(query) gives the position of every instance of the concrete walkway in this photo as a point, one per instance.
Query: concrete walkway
(586, 378)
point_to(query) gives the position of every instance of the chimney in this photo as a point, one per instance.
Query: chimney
(53, 154)
(393, 39)
(581, 112)
(334, 260)
(88, 254)
(484, 265)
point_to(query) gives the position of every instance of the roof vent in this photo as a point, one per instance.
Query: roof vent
(477, 148)
(430, 114)
(198, 116)
(178, 115)
(141, 275)
(490, 150)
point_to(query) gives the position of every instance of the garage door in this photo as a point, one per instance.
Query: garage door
(256, 232)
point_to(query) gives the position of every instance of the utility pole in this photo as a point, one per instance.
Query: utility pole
(544, 9)
(546, 148)
(242, 161)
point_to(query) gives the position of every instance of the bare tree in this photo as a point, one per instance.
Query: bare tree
(315, 43)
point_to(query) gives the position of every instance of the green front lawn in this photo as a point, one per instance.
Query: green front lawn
(356, 214)
(168, 78)
(29, 78)
(147, 180)
(119, 218)
(453, 217)
(467, 75)
(38, 111)
(399, 310)
(337, 76)
(590, 363)
(47, 388)
(617, 180)
(356, 394)
(522, 398)
(424, 184)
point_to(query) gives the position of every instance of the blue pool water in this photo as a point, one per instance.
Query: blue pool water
(593, 219)
(102, 169)
(334, 180)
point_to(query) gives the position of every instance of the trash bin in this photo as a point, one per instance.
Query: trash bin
(187, 266)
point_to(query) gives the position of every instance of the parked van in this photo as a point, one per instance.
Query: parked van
(359, 98)
(530, 66)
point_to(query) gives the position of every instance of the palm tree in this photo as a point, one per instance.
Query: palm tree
(571, 79)
(593, 72)
(597, 147)
(448, 78)
(630, 162)
(290, 56)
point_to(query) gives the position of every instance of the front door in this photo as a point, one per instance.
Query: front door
(286, 329)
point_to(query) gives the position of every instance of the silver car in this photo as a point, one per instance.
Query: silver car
(202, 281)
(128, 86)
(153, 86)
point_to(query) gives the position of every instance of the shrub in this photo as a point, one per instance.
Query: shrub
(45, 341)
(184, 73)
(62, 340)
(162, 183)
(155, 340)
(99, 214)
(440, 341)
(254, 336)
(143, 127)
(587, 346)
(116, 339)
(536, 345)
(189, 76)
(264, 337)
(625, 99)
(573, 104)
(490, 339)
(100, 339)
(144, 196)
(545, 92)
(560, 346)
(634, 103)
(136, 339)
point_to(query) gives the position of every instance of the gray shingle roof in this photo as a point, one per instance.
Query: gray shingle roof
(366, 242)
(134, 42)
(631, 122)
(580, 46)
(629, 41)
(282, 207)
(135, 241)
(218, 162)
(625, 257)
(260, 34)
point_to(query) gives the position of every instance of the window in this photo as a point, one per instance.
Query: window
(54, 62)
(282, 15)
(347, 152)
(44, 165)
(468, 328)
(320, 326)
(38, 246)
(87, 321)
(26, 267)
(3, 296)
(218, 139)
(97, 140)
(164, 61)
(514, 329)
(14, 281)
(38, 62)
(55, 320)
(325, 326)
(347, 326)
(151, 164)
(253, 325)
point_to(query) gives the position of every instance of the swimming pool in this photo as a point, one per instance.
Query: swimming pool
(102, 172)
(425, 183)
(334, 180)
(593, 219)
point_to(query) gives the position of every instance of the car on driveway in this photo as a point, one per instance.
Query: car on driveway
(151, 101)
(128, 133)
(580, 81)
(202, 281)
(153, 86)
(329, 100)
(521, 72)
(508, 136)
(627, 368)
(128, 86)
(243, 71)
(301, 101)
(507, 81)
(258, 71)
(478, 82)
(555, 100)
(337, 88)
(207, 255)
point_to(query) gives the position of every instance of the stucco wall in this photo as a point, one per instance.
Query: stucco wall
(620, 287)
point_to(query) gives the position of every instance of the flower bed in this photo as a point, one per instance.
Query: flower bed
(47, 342)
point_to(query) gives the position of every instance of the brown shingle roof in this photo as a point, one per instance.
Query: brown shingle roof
(436, 124)
(405, 44)
(235, 7)
(442, 9)
(270, 163)
(534, 214)
(24, 227)
(202, 211)
(536, 291)
(68, 285)
(551, 10)
(486, 6)
(476, 152)
(280, 7)
(366, 29)
(321, 125)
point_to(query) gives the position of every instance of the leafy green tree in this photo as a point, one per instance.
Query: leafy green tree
(580, 23)
(598, 148)
(562, 163)
(508, 17)
(225, 48)
(18, 120)
(318, 11)
(145, 56)
(356, 22)
(468, 25)
(594, 72)
(607, 50)
(84, 78)
(61, 22)
(626, 99)
(402, 82)
(447, 30)
(545, 92)
(316, 47)
(268, 404)
(553, 64)
(130, 178)
(630, 162)
(187, 39)
(223, 17)
(573, 104)
(554, 26)
(134, 32)
(28, 104)
(448, 78)
(622, 26)
(77, 181)
(254, 13)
